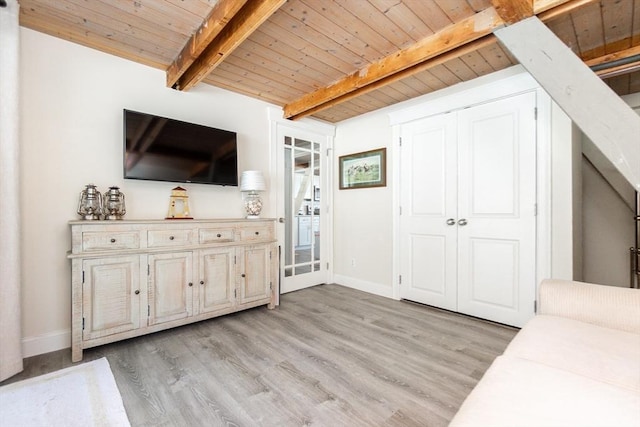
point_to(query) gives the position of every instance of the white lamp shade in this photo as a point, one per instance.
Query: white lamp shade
(252, 181)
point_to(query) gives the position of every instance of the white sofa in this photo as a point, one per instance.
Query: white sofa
(576, 363)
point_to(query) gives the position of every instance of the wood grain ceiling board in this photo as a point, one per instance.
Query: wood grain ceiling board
(564, 29)
(44, 20)
(635, 37)
(625, 84)
(309, 44)
(587, 23)
(617, 23)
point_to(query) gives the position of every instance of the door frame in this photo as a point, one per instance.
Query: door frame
(277, 124)
(499, 85)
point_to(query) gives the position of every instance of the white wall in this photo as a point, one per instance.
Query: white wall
(72, 99)
(609, 231)
(363, 222)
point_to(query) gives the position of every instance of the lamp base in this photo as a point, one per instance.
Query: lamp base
(252, 205)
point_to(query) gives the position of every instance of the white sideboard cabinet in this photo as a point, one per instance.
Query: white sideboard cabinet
(131, 278)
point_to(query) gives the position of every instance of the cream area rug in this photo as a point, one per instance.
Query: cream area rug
(83, 395)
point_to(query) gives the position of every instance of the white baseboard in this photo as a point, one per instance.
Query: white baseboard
(53, 341)
(364, 285)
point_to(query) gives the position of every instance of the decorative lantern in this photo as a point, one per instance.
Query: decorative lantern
(179, 204)
(90, 204)
(113, 205)
(251, 183)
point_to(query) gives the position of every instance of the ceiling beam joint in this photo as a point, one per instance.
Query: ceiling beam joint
(512, 11)
(229, 24)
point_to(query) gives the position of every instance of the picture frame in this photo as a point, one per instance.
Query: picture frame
(363, 170)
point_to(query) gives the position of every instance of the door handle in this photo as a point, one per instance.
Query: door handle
(451, 221)
(462, 222)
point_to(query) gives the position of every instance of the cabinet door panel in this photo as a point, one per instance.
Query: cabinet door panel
(217, 279)
(109, 299)
(170, 292)
(256, 283)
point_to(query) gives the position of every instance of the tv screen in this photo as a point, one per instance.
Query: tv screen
(162, 149)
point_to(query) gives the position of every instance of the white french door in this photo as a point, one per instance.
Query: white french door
(468, 193)
(302, 208)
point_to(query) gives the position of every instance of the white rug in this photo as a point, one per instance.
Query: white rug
(83, 395)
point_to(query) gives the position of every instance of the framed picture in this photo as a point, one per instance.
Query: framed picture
(363, 170)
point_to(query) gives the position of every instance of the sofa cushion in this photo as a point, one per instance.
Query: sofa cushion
(600, 353)
(608, 306)
(519, 392)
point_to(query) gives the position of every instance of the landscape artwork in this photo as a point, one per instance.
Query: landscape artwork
(362, 170)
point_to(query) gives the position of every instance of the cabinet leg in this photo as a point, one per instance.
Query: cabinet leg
(76, 353)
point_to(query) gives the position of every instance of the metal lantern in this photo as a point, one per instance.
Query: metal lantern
(90, 204)
(113, 206)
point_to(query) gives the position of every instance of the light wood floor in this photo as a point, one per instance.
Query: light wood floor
(328, 356)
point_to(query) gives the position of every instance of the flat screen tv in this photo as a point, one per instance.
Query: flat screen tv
(162, 149)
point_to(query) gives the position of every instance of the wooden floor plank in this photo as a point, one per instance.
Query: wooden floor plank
(329, 355)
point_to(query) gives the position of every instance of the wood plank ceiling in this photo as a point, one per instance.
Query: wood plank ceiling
(302, 53)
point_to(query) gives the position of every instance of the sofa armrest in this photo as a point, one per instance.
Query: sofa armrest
(608, 306)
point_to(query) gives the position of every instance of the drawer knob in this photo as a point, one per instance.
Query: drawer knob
(202, 282)
(113, 240)
(190, 284)
(171, 237)
(219, 235)
(243, 275)
(257, 232)
(137, 292)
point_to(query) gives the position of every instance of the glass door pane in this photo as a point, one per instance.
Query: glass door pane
(302, 173)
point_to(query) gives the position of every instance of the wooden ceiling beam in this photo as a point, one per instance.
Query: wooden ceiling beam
(549, 10)
(245, 21)
(599, 112)
(451, 37)
(512, 11)
(423, 66)
(220, 16)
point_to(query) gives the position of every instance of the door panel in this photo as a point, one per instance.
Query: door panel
(428, 199)
(496, 199)
(433, 272)
(170, 287)
(494, 281)
(217, 279)
(110, 302)
(255, 262)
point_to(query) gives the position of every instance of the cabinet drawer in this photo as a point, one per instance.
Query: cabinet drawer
(168, 238)
(252, 234)
(97, 240)
(213, 235)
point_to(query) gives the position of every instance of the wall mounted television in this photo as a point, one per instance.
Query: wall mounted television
(162, 149)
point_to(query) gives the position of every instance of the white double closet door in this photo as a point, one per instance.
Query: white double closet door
(468, 201)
